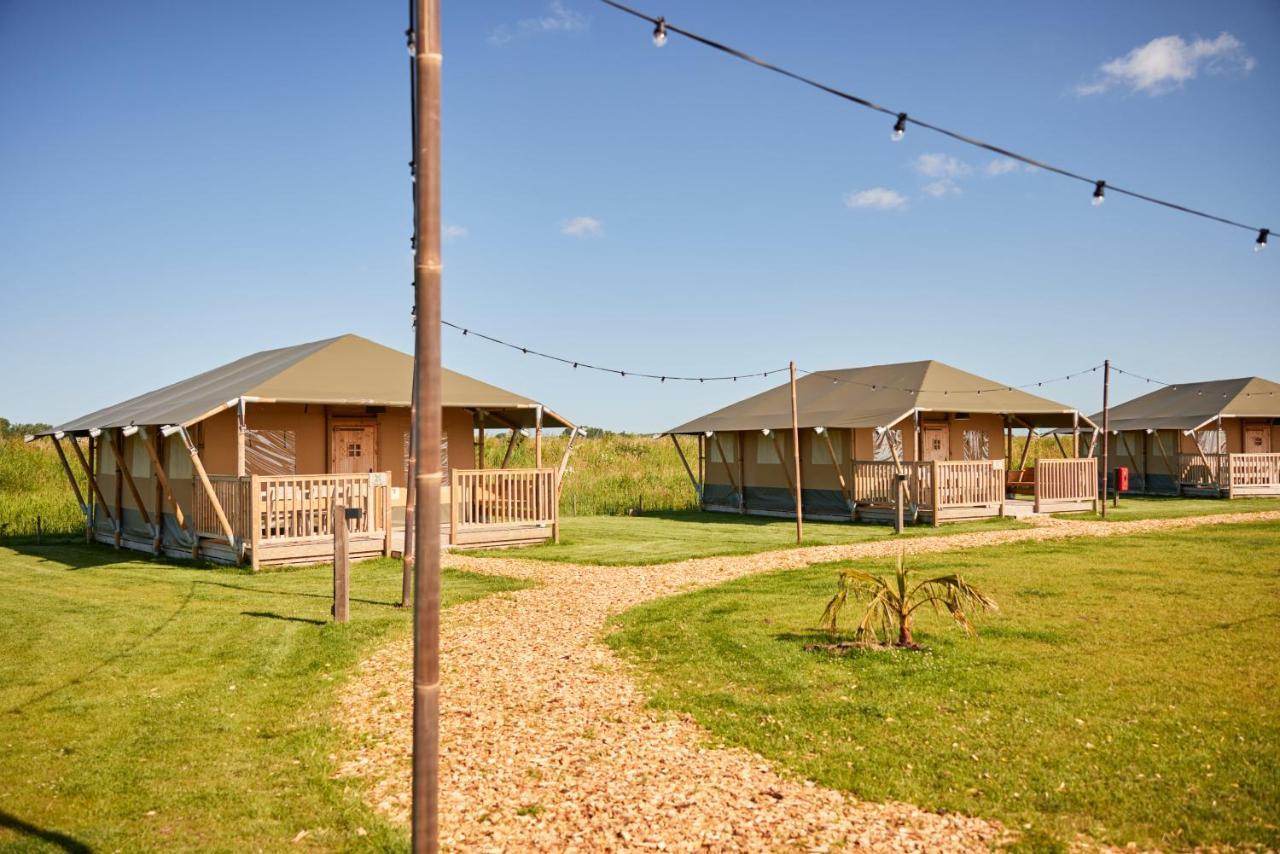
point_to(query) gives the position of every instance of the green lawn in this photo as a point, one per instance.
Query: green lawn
(667, 537)
(1128, 688)
(152, 706)
(1153, 507)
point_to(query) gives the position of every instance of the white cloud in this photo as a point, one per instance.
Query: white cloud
(456, 232)
(941, 166)
(1000, 166)
(559, 18)
(1164, 64)
(876, 198)
(942, 187)
(582, 226)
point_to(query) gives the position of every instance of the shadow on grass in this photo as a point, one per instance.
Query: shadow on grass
(297, 593)
(52, 837)
(271, 615)
(111, 659)
(81, 555)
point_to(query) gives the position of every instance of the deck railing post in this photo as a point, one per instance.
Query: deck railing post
(935, 490)
(256, 522)
(341, 564)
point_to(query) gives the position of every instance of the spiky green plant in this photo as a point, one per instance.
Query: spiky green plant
(892, 605)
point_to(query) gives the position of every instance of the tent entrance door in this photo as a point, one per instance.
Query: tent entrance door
(935, 442)
(353, 446)
(1257, 439)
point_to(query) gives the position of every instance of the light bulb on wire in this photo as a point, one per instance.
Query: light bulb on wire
(660, 33)
(1099, 193)
(899, 128)
(1262, 240)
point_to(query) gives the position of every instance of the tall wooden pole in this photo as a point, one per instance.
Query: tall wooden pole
(425, 824)
(1106, 432)
(795, 456)
(410, 510)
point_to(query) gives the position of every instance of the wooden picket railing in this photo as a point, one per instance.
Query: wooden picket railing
(965, 483)
(300, 507)
(233, 495)
(1068, 480)
(492, 498)
(874, 482)
(1253, 474)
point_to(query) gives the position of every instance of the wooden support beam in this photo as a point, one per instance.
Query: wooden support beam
(93, 503)
(831, 453)
(740, 440)
(75, 485)
(725, 462)
(122, 466)
(1026, 449)
(157, 492)
(119, 493)
(154, 449)
(1075, 435)
(697, 488)
(1061, 448)
(240, 437)
(208, 490)
(94, 488)
(511, 447)
(537, 438)
(1174, 474)
(564, 460)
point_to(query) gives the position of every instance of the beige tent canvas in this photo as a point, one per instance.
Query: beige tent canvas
(859, 426)
(277, 436)
(1215, 438)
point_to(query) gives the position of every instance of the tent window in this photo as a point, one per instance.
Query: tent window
(882, 450)
(977, 445)
(728, 442)
(1212, 441)
(270, 452)
(820, 455)
(139, 459)
(106, 457)
(766, 452)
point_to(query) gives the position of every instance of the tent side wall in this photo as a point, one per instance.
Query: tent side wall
(767, 483)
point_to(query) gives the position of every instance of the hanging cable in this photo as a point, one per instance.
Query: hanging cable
(948, 392)
(1144, 379)
(578, 363)
(902, 119)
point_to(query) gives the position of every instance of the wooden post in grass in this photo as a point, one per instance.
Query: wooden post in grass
(341, 563)
(1106, 429)
(795, 455)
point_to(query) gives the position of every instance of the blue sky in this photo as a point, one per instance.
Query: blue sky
(187, 183)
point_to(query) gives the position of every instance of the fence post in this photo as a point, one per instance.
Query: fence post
(454, 497)
(900, 483)
(256, 521)
(935, 491)
(341, 565)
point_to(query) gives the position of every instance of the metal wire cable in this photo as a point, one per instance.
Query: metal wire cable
(948, 392)
(908, 119)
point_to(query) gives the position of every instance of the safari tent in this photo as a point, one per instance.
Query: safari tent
(245, 462)
(947, 431)
(1217, 438)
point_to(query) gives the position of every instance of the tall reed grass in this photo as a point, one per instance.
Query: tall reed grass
(33, 486)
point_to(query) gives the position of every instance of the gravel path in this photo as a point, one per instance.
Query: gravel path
(547, 745)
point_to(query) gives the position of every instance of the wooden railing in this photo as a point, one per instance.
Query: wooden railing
(1253, 474)
(300, 507)
(874, 482)
(1065, 480)
(502, 497)
(965, 483)
(961, 483)
(1207, 470)
(233, 495)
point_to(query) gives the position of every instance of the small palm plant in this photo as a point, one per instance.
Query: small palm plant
(893, 605)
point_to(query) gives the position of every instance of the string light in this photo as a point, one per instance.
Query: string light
(946, 392)
(661, 378)
(1099, 193)
(411, 43)
(661, 28)
(660, 32)
(1263, 234)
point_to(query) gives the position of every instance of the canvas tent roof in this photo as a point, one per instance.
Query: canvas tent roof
(1187, 406)
(881, 396)
(346, 370)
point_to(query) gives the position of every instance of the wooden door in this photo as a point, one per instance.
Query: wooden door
(353, 447)
(935, 442)
(1257, 439)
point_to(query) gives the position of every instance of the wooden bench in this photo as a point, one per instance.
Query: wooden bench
(1022, 481)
